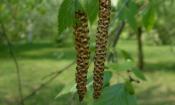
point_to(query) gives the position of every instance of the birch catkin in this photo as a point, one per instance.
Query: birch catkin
(101, 46)
(82, 47)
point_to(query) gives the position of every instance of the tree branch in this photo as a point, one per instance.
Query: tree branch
(140, 49)
(118, 32)
(10, 47)
(53, 76)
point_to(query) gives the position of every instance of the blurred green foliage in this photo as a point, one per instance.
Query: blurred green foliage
(43, 58)
(39, 20)
(29, 19)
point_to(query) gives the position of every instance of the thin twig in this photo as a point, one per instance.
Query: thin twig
(53, 76)
(59, 71)
(131, 79)
(118, 32)
(10, 46)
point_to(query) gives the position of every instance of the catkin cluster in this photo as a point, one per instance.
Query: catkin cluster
(82, 47)
(101, 46)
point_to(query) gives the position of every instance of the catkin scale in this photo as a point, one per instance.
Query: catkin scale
(82, 47)
(101, 46)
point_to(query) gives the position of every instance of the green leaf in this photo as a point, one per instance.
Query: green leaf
(73, 88)
(79, 5)
(132, 20)
(149, 18)
(121, 9)
(129, 14)
(66, 15)
(67, 90)
(123, 14)
(128, 65)
(129, 87)
(116, 95)
(126, 55)
(133, 8)
(138, 74)
(92, 9)
(107, 77)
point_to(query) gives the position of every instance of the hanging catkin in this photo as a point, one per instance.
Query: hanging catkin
(101, 46)
(82, 47)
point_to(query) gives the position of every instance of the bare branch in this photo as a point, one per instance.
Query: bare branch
(53, 76)
(10, 47)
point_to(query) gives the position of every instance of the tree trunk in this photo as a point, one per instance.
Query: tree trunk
(140, 49)
(30, 31)
(118, 32)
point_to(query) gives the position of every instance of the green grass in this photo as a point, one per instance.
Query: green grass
(40, 59)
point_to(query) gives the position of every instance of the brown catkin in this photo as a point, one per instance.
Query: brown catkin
(101, 46)
(82, 47)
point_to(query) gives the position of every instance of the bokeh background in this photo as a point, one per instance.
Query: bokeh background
(46, 59)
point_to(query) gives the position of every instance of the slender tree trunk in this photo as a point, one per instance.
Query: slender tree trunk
(18, 74)
(30, 31)
(118, 32)
(140, 49)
